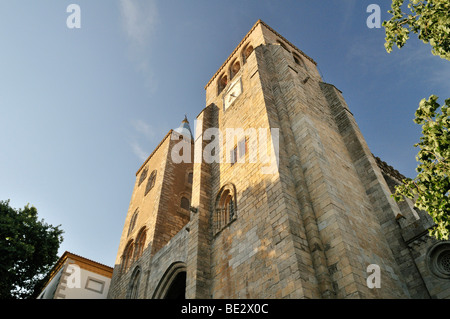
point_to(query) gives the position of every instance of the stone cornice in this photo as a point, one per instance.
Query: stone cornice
(389, 170)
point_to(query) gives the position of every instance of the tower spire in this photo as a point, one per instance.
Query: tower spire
(184, 128)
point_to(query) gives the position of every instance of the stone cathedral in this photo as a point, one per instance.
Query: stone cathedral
(300, 209)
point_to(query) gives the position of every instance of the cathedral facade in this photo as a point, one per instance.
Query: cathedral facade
(273, 194)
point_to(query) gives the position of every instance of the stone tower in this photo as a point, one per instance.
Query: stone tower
(159, 209)
(282, 197)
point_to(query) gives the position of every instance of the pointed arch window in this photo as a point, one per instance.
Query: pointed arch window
(127, 256)
(143, 176)
(132, 222)
(225, 211)
(150, 182)
(133, 289)
(140, 243)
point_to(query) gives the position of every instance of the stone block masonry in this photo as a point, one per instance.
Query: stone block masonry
(310, 228)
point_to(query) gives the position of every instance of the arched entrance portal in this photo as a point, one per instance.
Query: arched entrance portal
(173, 283)
(177, 289)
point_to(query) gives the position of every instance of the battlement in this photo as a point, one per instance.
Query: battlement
(389, 170)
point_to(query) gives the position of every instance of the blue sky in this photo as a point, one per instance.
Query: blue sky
(80, 109)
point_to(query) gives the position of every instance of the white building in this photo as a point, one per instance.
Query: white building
(75, 277)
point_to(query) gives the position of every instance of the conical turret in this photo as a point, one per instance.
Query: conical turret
(184, 129)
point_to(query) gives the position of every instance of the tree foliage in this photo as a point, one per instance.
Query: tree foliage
(28, 250)
(430, 189)
(429, 19)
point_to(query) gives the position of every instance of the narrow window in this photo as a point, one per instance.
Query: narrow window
(225, 210)
(242, 148)
(132, 222)
(248, 49)
(184, 203)
(143, 176)
(235, 67)
(127, 256)
(140, 242)
(233, 155)
(223, 81)
(190, 177)
(150, 182)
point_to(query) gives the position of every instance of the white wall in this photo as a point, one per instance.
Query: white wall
(83, 284)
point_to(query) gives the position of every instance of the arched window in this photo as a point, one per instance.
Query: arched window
(184, 203)
(140, 243)
(150, 182)
(235, 67)
(143, 176)
(225, 208)
(438, 259)
(133, 288)
(132, 222)
(223, 81)
(246, 52)
(127, 256)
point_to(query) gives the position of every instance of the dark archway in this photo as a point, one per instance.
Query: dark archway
(173, 283)
(177, 289)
